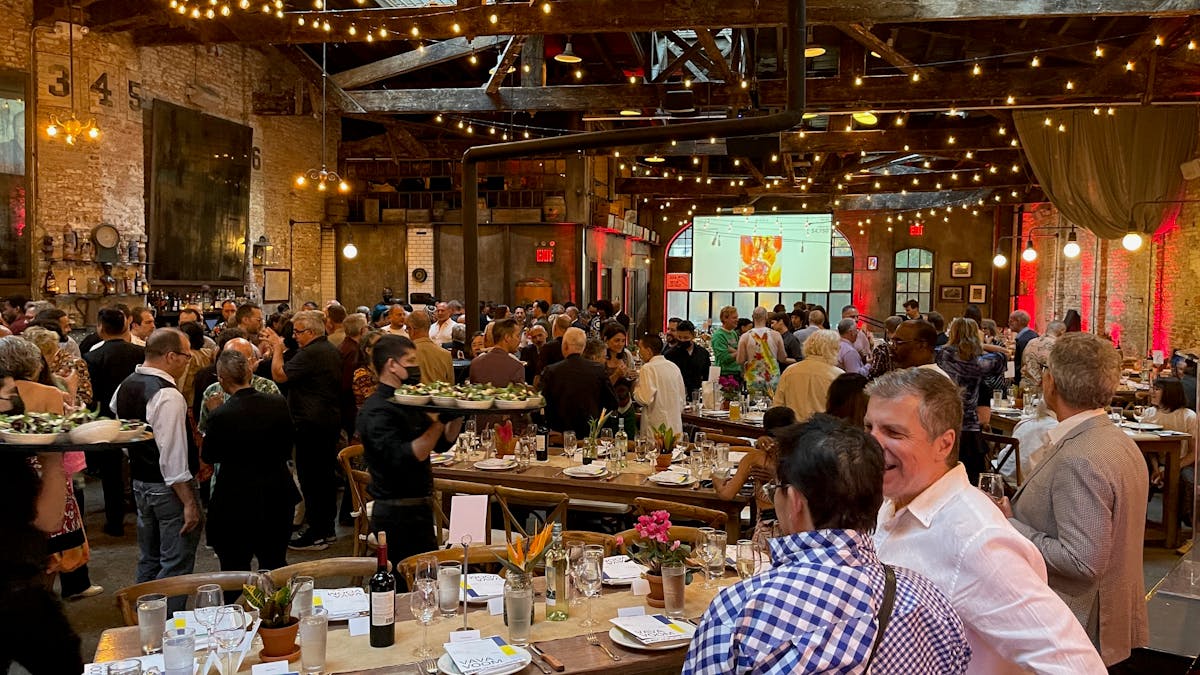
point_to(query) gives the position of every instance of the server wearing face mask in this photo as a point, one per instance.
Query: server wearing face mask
(397, 441)
(692, 359)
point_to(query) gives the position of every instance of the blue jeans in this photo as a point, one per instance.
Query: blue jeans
(162, 550)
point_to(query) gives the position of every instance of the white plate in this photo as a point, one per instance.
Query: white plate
(753, 418)
(412, 399)
(445, 401)
(1141, 426)
(97, 431)
(475, 405)
(586, 471)
(495, 464)
(714, 413)
(446, 664)
(618, 636)
(671, 478)
(514, 405)
(445, 458)
(27, 439)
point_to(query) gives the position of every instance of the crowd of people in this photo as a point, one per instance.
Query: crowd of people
(872, 448)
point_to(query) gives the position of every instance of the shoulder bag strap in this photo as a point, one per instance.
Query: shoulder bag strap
(885, 612)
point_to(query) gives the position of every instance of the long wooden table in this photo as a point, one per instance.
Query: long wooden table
(1168, 449)
(565, 640)
(623, 489)
(724, 426)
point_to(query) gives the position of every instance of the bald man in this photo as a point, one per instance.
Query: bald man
(214, 396)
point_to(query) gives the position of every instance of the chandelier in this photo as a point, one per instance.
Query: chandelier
(72, 129)
(323, 177)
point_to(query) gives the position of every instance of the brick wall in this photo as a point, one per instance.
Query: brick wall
(103, 181)
(420, 254)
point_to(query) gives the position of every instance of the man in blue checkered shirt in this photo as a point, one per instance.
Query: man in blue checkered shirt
(817, 609)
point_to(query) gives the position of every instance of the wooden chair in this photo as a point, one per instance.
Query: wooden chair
(608, 541)
(175, 586)
(555, 503)
(351, 457)
(477, 556)
(355, 568)
(681, 512)
(687, 535)
(444, 489)
(999, 448)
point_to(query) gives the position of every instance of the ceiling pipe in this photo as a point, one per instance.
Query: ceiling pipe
(781, 121)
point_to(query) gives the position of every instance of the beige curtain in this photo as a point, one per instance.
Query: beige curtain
(1096, 170)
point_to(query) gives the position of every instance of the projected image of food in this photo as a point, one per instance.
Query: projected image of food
(760, 261)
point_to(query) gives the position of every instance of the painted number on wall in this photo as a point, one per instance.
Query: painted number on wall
(256, 158)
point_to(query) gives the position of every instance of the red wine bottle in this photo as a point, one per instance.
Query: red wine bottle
(383, 599)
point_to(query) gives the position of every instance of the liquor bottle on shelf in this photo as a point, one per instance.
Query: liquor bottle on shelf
(557, 600)
(50, 284)
(72, 283)
(383, 599)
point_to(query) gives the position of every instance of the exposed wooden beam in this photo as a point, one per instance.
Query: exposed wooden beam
(397, 65)
(507, 58)
(866, 38)
(896, 140)
(588, 16)
(689, 186)
(677, 63)
(313, 73)
(533, 61)
(720, 65)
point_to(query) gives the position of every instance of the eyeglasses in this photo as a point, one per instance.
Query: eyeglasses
(769, 489)
(187, 354)
(298, 331)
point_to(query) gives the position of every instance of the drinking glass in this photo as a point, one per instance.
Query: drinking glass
(699, 438)
(614, 465)
(518, 609)
(314, 628)
(695, 465)
(722, 450)
(487, 440)
(229, 630)
(641, 448)
(470, 426)
(449, 583)
(179, 650)
(590, 576)
(569, 444)
(703, 552)
(1114, 414)
(302, 596)
(1139, 413)
(673, 586)
(423, 602)
(606, 440)
(426, 575)
(681, 445)
(126, 667)
(152, 619)
(992, 485)
(708, 450)
(716, 568)
(209, 598)
(575, 560)
(747, 558)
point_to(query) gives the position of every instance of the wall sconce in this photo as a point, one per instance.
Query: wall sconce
(258, 251)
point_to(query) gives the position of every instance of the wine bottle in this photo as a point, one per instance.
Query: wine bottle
(620, 442)
(383, 599)
(557, 599)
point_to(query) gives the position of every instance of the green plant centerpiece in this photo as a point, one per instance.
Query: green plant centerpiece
(279, 627)
(664, 440)
(595, 426)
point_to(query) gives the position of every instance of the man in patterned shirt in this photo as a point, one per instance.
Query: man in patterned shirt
(824, 605)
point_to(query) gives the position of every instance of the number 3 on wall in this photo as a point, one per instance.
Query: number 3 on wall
(61, 85)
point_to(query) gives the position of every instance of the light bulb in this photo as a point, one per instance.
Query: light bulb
(350, 251)
(1029, 254)
(321, 186)
(1071, 250)
(1132, 241)
(343, 186)
(300, 181)
(999, 260)
(93, 133)
(52, 130)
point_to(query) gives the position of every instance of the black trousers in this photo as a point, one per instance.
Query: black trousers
(36, 633)
(316, 467)
(409, 532)
(111, 466)
(972, 452)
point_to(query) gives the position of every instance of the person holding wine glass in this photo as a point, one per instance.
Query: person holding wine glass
(827, 492)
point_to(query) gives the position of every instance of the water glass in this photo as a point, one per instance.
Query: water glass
(992, 485)
(569, 442)
(696, 466)
(575, 551)
(716, 566)
(449, 582)
(179, 650)
(747, 558)
(641, 448)
(302, 596)
(673, 585)
(722, 455)
(152, 619)
(614, 465)
(700, 438)
(126, 667)
(518, 606)
(314, 628)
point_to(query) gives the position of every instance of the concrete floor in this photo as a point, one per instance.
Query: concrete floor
(114, 560)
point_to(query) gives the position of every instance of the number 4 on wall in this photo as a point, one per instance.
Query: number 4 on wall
(100, 87)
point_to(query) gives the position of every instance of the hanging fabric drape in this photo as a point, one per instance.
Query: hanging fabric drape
(1100, 166)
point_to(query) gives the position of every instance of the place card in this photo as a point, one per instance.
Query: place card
(620, 568)
(270, 668)
(360, 625)
(342, 603)
(464, 635)
(496, 606)
(641, 587)
(631, 611)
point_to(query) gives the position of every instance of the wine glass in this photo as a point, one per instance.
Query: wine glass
(705, 553)
(470, 426)
(423, 602)
(992, 485)
(699, 438)
(487, 439)
(1139, 414)
(606, 440)
(229, 629)
(589, 579)
(426, 572)
(641, 448)
(575, 558)
(569, 442)
(748, 558)
(209, 598)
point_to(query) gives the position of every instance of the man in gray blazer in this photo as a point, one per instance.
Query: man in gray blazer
(1084, 505)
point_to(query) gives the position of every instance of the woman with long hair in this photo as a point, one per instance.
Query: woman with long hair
(1171, 411)
(965, 361)
(756, 469)
(365, 381)
(618, 362)
(847, 399)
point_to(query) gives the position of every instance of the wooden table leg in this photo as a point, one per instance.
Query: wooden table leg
(733, 523)
(1170, 496)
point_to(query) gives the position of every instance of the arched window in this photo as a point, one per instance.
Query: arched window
(914, 279)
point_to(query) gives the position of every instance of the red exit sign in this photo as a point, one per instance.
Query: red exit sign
(916, 229)
(544, 254)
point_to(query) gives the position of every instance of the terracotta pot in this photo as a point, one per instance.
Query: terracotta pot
(279, 643)
(663, 460)
(505, 448)
(655, 599)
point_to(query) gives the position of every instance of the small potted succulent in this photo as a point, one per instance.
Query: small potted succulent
(654, 548)
(279, 628)
(664, 440)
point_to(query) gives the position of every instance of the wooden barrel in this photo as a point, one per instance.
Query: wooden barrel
(529, 290)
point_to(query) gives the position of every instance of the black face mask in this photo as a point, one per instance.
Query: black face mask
(685, 344)
(414, 375)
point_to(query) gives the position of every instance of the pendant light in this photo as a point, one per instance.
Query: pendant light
(323, 177)
(1132, 241)
(1071, 250)
(1030, 253)
(72, 129)
(866, 118)
(1000, 260)
(568, 54)
(349, 251)
(811, 49)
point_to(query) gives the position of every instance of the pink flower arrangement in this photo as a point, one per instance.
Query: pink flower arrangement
(655, 546)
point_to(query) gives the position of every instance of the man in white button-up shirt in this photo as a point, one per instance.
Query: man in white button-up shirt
(934, 522)
(659, 389)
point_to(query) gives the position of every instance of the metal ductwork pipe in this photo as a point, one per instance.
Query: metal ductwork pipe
(791, 116)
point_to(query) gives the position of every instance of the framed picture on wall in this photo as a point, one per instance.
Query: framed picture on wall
(872, 262)
(977, 293)
(951, 294)
(277, 285)
(960, 269)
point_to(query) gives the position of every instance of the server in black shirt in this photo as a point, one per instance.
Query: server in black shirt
(692, 359)
(314, 378)
(397, 442)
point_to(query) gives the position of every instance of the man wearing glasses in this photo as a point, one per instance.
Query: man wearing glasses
(828, 604)
(163, 472)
